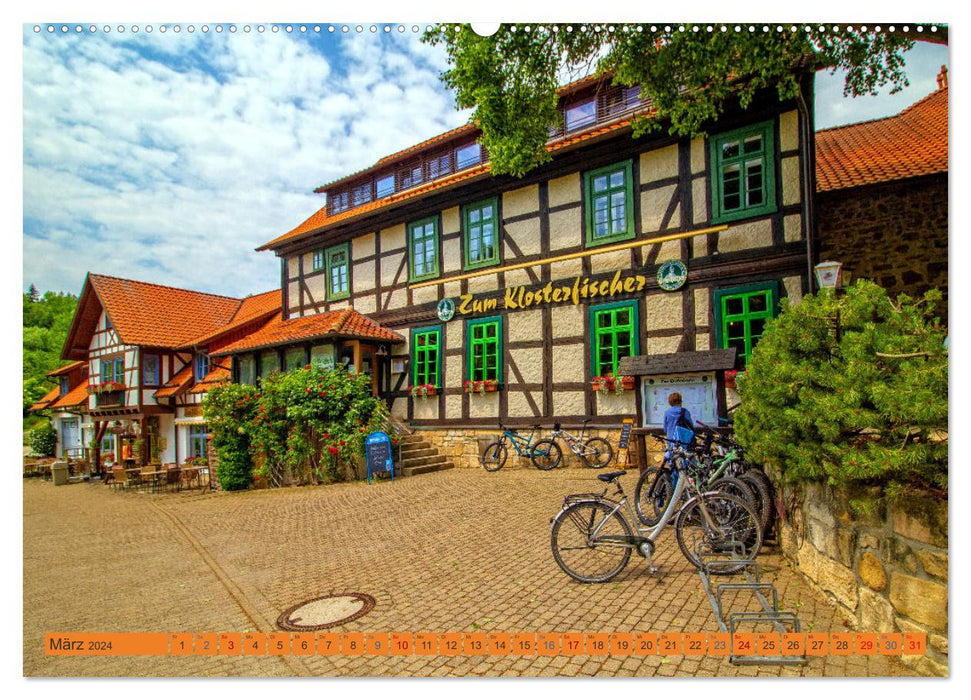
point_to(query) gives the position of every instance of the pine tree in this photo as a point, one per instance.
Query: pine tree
(850, 388)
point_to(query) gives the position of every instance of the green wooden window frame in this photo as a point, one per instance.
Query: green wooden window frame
(609, 203)
(481, 223)
(743, 167)
(338, 261)
(740, 316)
(614, 330)
(484, 340)
(423, 249)
(426, 356)
(317, 260)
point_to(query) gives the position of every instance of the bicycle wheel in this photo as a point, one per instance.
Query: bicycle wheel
(583, 556)
(652, 495)
(738, 488)
(546, 455)
(597, 453)
(734, 522)
(762, 489)
(494, 456)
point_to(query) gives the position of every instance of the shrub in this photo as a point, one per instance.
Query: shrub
(228, 408)
(850, 388)
(43, 440)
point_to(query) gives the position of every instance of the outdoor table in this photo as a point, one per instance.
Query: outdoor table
(154, 476)
(189, 473)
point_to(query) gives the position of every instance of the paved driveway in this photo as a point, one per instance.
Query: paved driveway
(460, 550)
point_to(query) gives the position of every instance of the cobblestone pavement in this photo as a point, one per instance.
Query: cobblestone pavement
(460, 550)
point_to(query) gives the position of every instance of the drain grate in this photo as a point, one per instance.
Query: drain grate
(325, 612)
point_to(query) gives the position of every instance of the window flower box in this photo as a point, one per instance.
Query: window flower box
(731, 376)
(482, 386)
(611, 383)
(422, 391)
(105, 388)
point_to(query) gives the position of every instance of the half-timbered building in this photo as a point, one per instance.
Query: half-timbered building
(67, 405)
(147, 353)
(590, 288)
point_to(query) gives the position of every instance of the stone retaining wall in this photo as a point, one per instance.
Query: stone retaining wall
(885, 564)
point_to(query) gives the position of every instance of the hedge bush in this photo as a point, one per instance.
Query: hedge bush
(850, 388)
(43, 440)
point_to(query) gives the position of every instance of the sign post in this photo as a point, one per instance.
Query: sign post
(377, 451)
(623, 451)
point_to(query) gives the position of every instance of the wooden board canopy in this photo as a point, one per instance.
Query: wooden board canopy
(677, 362)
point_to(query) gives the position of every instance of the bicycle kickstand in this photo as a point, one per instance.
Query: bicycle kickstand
(647, 549)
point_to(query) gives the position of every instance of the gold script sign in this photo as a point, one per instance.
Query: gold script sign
(582, 288)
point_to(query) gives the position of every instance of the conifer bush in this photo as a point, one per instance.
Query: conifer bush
(850, 387)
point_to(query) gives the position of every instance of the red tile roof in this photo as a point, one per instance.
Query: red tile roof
(217, 375)
(151, 314)
(319, 221)
(904, 145)
(334, 324)
(46, 401)
(177, 384)
(250, 309)
(66, 368)
(77, 396)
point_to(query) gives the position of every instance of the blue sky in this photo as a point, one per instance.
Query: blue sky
(168, 157)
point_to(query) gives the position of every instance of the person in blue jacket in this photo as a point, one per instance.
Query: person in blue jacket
(676, 415)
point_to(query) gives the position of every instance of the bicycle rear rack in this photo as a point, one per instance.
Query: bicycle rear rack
(716, 563)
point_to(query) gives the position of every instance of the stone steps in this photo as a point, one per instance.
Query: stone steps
(417, 456)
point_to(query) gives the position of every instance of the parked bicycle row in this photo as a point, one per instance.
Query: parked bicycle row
(546, 454)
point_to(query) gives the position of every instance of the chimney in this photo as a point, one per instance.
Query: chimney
(942, 78)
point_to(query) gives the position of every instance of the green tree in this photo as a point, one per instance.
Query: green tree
(850, 388)
(689, 74)
(47, 320)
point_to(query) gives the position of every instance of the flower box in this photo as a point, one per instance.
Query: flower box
(730, 376)
(105, 388)
(612, 383)
(422, 391)
(482, 386)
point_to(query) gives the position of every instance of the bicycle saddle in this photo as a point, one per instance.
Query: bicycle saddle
(610, 476)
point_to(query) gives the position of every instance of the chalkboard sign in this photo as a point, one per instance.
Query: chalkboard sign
(625, 432)
(377, 450)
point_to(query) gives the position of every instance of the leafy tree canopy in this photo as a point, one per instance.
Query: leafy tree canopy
(689, 73)
(850, 388)
(47, 320)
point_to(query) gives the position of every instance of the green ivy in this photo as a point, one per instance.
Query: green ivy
(304, 426)
(850, 388)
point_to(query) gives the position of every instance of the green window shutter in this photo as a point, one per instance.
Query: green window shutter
(609, 202)
(423, 249)
(741, 314)
(338, 264)
(743, 173)
(614, 328)
(481, 222)
(426, 356)
(484, 339)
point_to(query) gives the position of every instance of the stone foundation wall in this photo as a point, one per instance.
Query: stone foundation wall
(885, 564)
(464, 445)
(894, 234)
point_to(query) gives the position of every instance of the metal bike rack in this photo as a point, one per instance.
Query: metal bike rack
(783, 621)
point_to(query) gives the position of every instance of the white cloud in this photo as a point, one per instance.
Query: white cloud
(169, 158)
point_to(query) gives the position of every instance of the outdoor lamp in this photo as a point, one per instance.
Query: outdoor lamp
(829, 274)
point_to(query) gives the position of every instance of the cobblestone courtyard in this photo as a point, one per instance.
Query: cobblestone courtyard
(460, 550)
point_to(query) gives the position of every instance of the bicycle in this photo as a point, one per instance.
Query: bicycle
(723, 467)
(592, 540)
(595, 452)
(495, 454)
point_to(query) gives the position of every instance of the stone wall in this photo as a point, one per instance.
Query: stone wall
(463, 447)
(894, 234)
(884, 563)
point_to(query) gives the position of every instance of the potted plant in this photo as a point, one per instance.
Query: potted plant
(481, 386)
(626, 382)
(423, 390)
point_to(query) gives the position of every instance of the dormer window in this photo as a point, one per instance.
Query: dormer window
(467, 156)
(580, 115)
(201, 367)
(65, 385)
(384, 186)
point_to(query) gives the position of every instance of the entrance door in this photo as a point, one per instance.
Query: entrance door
(70, 437)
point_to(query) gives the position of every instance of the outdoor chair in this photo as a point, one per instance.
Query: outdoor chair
(119, 478)
(148, 478)
(190, 474)
(173, 476)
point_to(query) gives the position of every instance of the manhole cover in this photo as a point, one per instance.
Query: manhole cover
(326, 611)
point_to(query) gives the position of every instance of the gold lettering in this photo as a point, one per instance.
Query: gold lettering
(491, 304)
(604, 287)
(576, 291)
(616, 286)
(519, 297)
(528, 301)
(558, 294)
(509, 300)
(464, 303)
(641, 281)
(547, 290)
(629, 284)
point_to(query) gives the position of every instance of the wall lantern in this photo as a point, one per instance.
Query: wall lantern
(829, 275)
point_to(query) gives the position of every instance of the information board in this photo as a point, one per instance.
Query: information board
(377, 451)
(697, 396)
